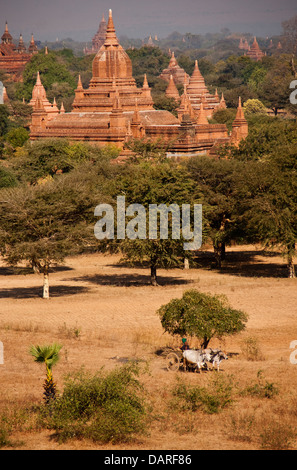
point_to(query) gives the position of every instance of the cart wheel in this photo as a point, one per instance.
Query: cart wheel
(173, 362)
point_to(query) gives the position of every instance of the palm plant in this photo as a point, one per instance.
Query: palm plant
(48, 354)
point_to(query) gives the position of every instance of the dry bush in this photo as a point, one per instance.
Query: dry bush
(276, 435)
(241, 426)
(251, 350)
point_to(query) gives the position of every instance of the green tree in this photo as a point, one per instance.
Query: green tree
(4, 122)
(268, 192)
(52, 71)
(274, 91)
(254, 107)
(48, 157)
(7, 178)
(17, 137)
(202, 316)
(216, 180)
(45, 223)
(146, 183)
(49, 355)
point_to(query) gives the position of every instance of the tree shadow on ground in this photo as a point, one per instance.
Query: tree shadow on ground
(245, 264)
(24, 271)
(35, 292)
(129, 280)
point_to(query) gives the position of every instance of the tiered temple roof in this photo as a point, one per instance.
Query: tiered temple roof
(255, 52)
(175, 70)
(197, 92)
(114, 110)
(13, 59)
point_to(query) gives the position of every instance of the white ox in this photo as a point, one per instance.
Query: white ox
(217, 358)
(201, 357)
(198, 358)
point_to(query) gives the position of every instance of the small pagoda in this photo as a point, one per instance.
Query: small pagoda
(255, 52)
(175, 71)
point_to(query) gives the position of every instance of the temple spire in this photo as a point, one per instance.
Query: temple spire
(32, 48)
(38, 80)
(6, 37)
(202, 118)
(79, 85)
(21, 46)
(111, 37)
(172, 91)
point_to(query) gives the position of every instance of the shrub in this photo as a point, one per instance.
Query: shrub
(251, 349)
(262, 388)
(211, 399)
(241, 427)
(102, 407)
(277, 436)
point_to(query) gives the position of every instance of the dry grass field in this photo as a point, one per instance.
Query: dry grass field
(104, 314)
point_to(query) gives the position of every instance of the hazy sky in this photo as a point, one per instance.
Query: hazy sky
(79, 19)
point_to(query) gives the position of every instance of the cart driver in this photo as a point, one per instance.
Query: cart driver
(185, 345)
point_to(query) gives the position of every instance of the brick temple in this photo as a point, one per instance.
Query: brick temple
(114, 110)
(255, 52)
(13, 59)
(178, 74)
(99, 38)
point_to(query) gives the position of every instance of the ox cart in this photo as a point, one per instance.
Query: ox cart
(195, 359)
(174, 360)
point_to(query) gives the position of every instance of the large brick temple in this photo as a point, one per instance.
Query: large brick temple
(99, 38)
(113, 110)
(13, 59)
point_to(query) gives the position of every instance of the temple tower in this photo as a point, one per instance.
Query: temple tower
(6, 36)
(239, 127)
(172, 91)
(99, 38)
(112, 68)
(255, 52)
(175, 70)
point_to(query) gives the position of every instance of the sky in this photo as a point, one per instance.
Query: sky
(79, 19)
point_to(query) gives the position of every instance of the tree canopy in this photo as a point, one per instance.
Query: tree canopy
(202, 316)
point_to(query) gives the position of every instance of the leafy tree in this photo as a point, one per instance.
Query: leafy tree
(225, 116)
(52, 71)
(49, 355)
(267, 135)
(157, 183)
(164, 102)
(17, 137)
(49, 157)
(147, 60)
(268, 192)
(7, 178)
(45, 223)
(275, 89)
(4, 114)
(254, 107)
(201, 315)
(221, 207)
